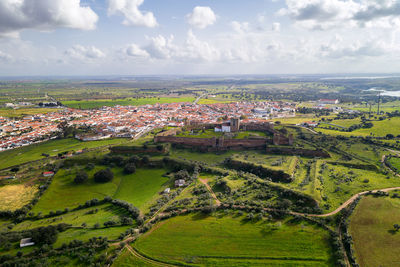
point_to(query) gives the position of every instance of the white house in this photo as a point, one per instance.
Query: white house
(179, 183)
(26, 242)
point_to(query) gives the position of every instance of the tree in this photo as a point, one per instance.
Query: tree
(15, 169)
(129, 168)
(145, 160)
(103, 176)
(396, 227)
(81, 177)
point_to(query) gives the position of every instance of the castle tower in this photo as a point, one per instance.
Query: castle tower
(235, 124)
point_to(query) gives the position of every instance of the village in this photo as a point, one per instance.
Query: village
(132, 121)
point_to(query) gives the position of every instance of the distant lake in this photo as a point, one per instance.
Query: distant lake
(386, 93)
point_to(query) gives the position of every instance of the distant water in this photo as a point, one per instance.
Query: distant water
(386, 93)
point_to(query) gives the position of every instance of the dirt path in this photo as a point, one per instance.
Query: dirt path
(205, 182)
(387, 167)
(145, 259)
(348, 202)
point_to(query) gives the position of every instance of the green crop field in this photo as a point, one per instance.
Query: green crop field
(53, 147)
(224, 240)
(371, 227)
(141, 187)
(87, 104)
(64, 193)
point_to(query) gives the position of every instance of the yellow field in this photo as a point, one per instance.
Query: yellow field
(14, 197)
(25, 111)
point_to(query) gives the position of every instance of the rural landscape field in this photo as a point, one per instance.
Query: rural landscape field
(223, 133)
(224, 176)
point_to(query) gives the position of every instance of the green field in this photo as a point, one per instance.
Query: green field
(111, 233)
(371, 226)
(231, 240)
(64, 193)
(395, 162)
(126, 259)
(53, 147)
(380, 129)
(141, 187)
(87, 104)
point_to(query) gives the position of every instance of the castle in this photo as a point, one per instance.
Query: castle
(223, 144)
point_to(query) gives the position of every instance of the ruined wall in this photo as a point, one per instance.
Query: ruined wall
(191, 141)
(245, 142)
(280, 139)
(264, 127)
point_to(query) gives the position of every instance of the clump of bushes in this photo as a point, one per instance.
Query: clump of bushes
(103, 176)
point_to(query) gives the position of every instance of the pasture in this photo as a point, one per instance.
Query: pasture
(371, 226)
(64, 193)
(89, 216)
(69, 235)
(231, 240)
(380, 129)
(141, 187)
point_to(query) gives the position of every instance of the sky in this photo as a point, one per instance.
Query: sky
(156, 37)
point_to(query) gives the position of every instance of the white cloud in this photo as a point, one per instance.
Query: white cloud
(133, 50)
(130, 10)
(240, 27)
(199, 50)
(161, 47)
(201, 17)
(17, 15)
(325, 14)
(276, 27)
(84, 52)
(5, 57)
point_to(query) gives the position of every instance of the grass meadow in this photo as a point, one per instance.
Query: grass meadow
(380, 129)
(126, 259)
(89, 216)
(371, 227)
(142, 187)
(64, 193)
(69, 235)
(231, 240)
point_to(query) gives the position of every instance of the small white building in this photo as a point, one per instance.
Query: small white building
(26, 242)
(167, 190)
(179, 183)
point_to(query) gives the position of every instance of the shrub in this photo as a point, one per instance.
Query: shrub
(129, 168)
(103, 176)
(81, 177)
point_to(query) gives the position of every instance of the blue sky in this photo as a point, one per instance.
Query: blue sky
(135, 37)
